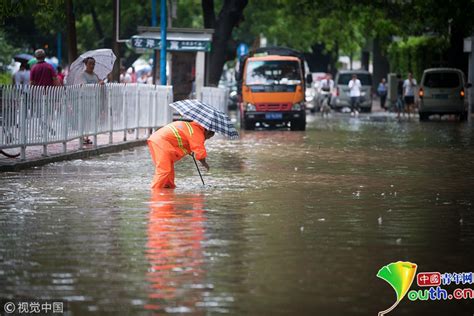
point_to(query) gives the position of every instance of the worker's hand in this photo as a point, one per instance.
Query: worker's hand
(204, 164)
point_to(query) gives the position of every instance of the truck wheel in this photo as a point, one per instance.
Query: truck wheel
(249, 125)
(298, 125)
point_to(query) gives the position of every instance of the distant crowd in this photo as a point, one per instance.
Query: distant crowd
(39, 72)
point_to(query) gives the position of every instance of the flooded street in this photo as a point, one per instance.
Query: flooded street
(289, 223)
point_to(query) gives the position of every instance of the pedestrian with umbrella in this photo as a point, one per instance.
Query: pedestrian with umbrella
(88, 76)
(180, 138)
(91, 67)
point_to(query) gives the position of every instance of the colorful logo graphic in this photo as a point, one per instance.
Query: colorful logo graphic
(400, 276)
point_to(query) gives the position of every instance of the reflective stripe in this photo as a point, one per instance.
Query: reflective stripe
(178, 138)
(190, 128)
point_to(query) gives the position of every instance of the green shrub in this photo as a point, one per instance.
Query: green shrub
(5, 78)
(417, 53)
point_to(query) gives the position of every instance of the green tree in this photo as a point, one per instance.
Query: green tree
(223, 47)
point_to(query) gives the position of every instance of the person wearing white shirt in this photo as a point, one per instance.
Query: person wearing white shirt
(409, 86)
(21, 78)
(327, 84)
(354, 87)
(124, 76)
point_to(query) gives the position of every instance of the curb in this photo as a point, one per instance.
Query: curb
(78, 154)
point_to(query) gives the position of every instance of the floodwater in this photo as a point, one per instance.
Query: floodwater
(289, 223)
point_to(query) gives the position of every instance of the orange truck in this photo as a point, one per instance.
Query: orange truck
(271, 85)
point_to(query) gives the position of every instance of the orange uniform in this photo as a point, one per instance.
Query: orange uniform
(171, 143)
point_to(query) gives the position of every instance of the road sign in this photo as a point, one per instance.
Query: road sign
(242, 49)
(171, 45)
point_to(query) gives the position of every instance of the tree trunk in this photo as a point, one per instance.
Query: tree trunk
(456, 56)
(381, 65)
(365, 60)
(116, 45)
(319, 61)
(208, 13)
(71, 32)
(223, 48)
(97, 26)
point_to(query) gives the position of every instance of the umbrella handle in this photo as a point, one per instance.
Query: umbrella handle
(197, 167)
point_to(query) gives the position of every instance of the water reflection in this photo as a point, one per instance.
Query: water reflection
(175, 232)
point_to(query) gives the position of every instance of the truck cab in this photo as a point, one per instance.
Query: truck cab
(272, 84)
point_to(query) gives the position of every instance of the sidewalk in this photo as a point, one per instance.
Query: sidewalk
(55, 152)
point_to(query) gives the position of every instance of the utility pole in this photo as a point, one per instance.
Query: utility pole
(163, 30)
(155, 51)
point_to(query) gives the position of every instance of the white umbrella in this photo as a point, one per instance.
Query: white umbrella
(104, 62)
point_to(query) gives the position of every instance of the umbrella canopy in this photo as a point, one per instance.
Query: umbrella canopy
(104, 62)
(23, 58)
(32, 62)
(52, 61)
(207, 116)
(141, 66)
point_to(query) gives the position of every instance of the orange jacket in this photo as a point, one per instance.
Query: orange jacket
(184, 138)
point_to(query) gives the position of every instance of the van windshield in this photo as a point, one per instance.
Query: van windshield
(365, 79)
(441, 80)
(273, 72)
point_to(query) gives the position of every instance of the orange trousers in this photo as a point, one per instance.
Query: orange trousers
(164, 157)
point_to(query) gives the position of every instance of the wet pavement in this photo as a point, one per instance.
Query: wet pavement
(289, 223)
(11, 160)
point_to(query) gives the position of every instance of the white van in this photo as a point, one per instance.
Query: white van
(442, 91)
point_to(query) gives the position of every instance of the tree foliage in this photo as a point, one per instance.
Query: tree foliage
(417, 53)
(342, 27)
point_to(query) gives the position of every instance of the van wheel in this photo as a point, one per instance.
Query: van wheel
(463, 116)
(423, 116)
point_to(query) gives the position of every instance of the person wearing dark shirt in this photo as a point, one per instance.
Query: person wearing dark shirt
(42, 73)
(400, 104)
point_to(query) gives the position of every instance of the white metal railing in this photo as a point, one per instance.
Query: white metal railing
(217, 97)
(47, 115)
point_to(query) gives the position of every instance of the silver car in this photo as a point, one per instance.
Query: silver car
(341, 96)
(442, 91)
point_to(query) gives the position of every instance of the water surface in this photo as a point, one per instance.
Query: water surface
(289, 223)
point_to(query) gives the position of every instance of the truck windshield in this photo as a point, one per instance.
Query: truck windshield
(273, 72)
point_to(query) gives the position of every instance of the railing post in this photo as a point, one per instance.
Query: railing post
(137, 113)
(124, 113)
(96, 111)
(80, 107)
(64, 119)
(22, 127)
(43, 122)
(154, 107)
(110, 114)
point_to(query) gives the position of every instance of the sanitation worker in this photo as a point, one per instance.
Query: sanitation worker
(171, 143)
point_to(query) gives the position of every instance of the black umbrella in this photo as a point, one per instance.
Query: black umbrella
(23, 58)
